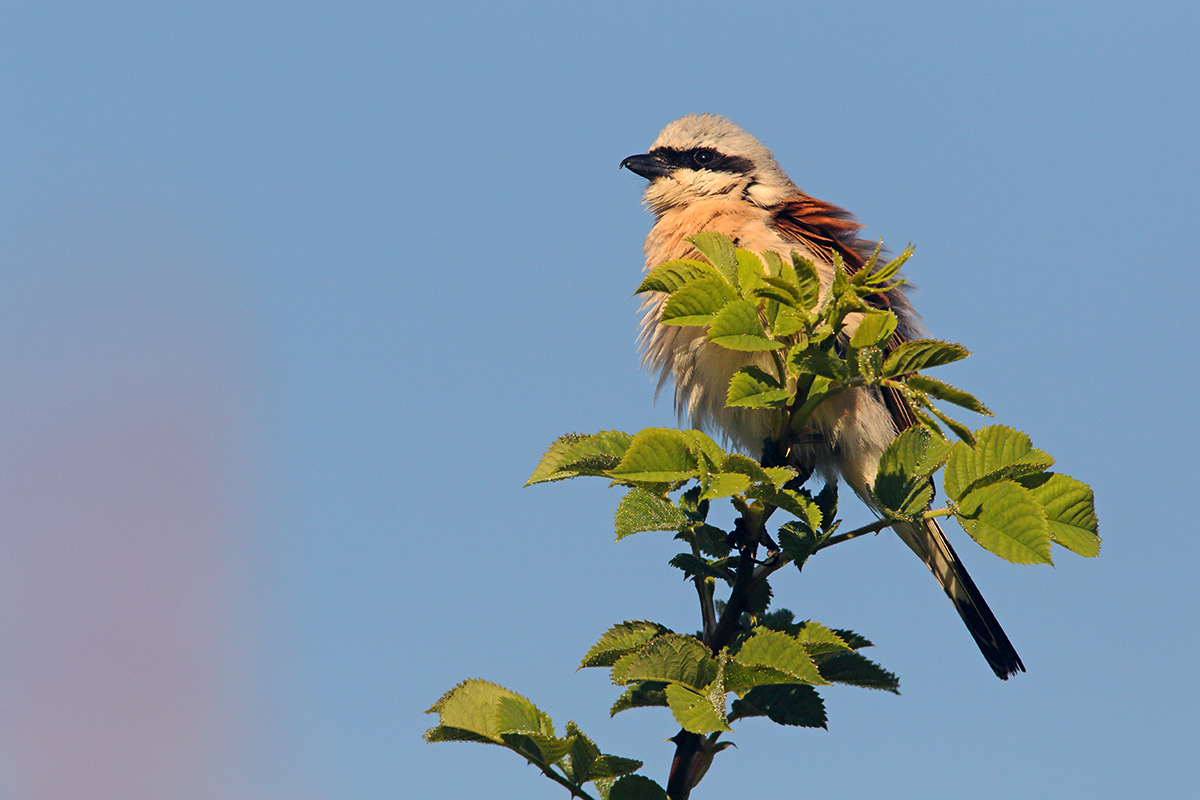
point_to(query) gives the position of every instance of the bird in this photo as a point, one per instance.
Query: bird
(706, 173)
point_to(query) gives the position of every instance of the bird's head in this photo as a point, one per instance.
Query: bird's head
(703, 156)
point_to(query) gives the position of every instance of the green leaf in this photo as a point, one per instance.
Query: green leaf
(701, 445)
(960, 430)
(878, 277)
(711, 540)
(674, 658)
(780, 290)
(612, 766)
(472, 711)
(725, 485)
(787, 322)
(742, 677)
(999, 453)
(922, 354)
(694, 565)
(875, 328)
(582, 754)
(792, 502)
(750, 275)
(1006, 519)
(641, 510)
(948, 393)
(537, 747)
(808, 281)
(752, 387)
(658, 454)
(559, 461)
(697, 303)
(855, 640)
(719, 250)
(620, 640)
(814, 361)
(819, 640)
(902, 483)
(797, 540)
(782, 652)
(786, 705)
(644, 694)
(1070, 510)
(854, 669)
(636, 787)
(669, 276)
(737, 327)
(694, 711)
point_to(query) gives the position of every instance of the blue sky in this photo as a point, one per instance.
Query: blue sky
(293, 297)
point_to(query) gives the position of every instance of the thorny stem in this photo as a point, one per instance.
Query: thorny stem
(576, 791)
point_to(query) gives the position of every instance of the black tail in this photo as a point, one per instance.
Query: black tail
(930, 543)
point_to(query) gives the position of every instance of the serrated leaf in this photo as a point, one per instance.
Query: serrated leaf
(819, 640)
(874, 329)
(1070, 508)
(750, 275)
(537, 747)
(782, 652)
(743, 677)
(1006, 519)
(951, 394)
(674, 658)
(798, 541)
(582, 754)
(854, 669)
(620, 640)
(751, 387)
(795, 504)
(725, 485)
(814, 361)
(738, 327)
(787, 322)
(692, 566)
(641, 510)
(613, 766)
(785, 705)
(856, 640)
(960, 430)
(566, 451)
(473, 707)
(636, 787)
(697, 303)
(657, 454)
(922, 354)
(694, 711)
(781, 291)
(902, 483)
(645, 694)
(701, 444)
(744, 465)
(670, 275)
(999, 453)
(880, 276)
(711, 540)
(515, 713)
(719, 250)
(807, 279)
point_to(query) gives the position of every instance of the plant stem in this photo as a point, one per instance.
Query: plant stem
(874, 527)
(688, 745)
(575, 790)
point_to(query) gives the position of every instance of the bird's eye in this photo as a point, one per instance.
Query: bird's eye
(703, 157)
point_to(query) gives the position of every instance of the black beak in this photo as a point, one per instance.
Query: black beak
(648, 166)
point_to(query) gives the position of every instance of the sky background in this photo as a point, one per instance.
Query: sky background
(294, 295)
